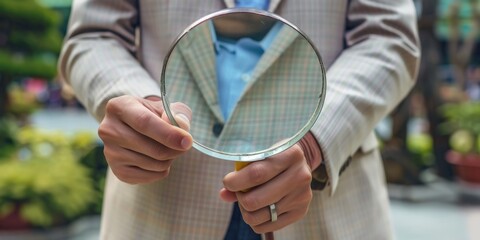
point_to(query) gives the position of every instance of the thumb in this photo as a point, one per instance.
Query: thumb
(182, 114)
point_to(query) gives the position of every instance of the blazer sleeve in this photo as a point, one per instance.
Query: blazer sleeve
(369, 78)
(98, 57)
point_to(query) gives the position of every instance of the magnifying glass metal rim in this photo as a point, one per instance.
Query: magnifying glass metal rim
(257, 155)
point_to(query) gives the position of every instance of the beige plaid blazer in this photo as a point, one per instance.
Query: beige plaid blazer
(370, 50)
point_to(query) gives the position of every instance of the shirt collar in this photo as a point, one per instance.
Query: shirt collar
(268, 39)
(264, 43)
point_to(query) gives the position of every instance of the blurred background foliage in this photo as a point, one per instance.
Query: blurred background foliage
(448, 85)
(43, 179)
(47, 178)
(30, 41)
(463, 122)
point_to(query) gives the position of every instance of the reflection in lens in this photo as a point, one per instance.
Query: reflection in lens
(280, 97)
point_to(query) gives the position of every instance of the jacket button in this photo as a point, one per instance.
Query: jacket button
(217, 129)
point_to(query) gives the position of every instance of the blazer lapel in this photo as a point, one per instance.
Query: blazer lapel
(197, 49)
(273, 5)
(271, 8)
(230, 3)
(282, 41)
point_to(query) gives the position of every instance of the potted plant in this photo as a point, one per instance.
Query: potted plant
(463, 122)
(42, 182)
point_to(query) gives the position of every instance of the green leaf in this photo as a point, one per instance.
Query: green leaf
(36, 213)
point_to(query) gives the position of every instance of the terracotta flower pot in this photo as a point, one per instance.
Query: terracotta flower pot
(14, 221)
(467, 166)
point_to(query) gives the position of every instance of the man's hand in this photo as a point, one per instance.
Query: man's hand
(283, 179)
(139, 141)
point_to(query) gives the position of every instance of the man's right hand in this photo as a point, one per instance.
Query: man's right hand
(139, 141)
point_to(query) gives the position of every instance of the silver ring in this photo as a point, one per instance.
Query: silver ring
(273, 213)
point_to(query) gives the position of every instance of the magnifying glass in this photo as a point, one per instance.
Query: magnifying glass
(255, 84)
(245, 108)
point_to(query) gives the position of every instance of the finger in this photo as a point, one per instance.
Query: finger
(118, 133)
(182, 114)
(296, 178)
(260, 172)
(254, 174)
(118, 156)
(227, 196)
(260, 216)
(135, 175)
(149, 123)
(180, 111)
(295, 200)
(284, 220)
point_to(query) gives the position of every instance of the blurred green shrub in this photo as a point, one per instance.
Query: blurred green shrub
(45, 179)
(8, 139)
(30, 41)
(463, 122)
(420, 146)
(21, 103)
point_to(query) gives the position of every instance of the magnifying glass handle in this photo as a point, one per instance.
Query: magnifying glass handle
(238, 167)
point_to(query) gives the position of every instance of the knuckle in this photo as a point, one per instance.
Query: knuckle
(102, 131)
(259, 229)
(110, 154)
(304, 177)
(162, 175)
(296, 150)
(250, 202)
(307, 197)
(250, 218)
(256, 173)
(159, 153)
(126, 175)
(110, 107)
(163, 165)
(106, 153)
(142, 121)
(227, 183)
(247, 217)
(109, 131)
(113, 105)
(298, 153)
(303, 200)
(105, 131)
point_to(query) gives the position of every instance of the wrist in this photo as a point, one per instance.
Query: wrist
(311, 150)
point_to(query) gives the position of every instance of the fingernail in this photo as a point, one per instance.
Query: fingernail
(183, 117)
(185, 143)
(183, 121)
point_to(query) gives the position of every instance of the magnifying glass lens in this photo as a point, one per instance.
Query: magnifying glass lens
(254, 82)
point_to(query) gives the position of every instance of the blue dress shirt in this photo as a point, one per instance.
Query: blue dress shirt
(259, 4)
(235, 62)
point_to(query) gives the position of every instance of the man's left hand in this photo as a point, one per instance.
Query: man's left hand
(283, 179)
